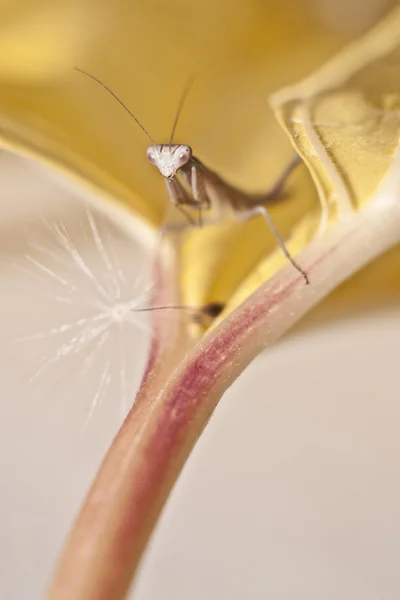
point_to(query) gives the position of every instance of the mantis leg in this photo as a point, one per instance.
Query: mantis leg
(199, 191)
(198, 187)
(276, 191)
(179, 196)
(261, 210)
(195, 179)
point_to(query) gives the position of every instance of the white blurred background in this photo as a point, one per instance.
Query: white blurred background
(294, 488)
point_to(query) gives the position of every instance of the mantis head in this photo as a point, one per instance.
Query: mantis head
(169, 158)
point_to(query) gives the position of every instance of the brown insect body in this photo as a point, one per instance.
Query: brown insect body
(206, 190)
(218, 192)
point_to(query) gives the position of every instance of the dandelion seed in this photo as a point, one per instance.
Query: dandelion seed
(84, 271)
(94, 304)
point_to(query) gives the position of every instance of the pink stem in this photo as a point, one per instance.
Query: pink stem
(158, 435)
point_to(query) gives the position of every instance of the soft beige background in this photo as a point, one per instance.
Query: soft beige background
(293, 490)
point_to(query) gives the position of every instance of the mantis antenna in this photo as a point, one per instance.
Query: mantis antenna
(182, 101)
(118, 100)
(181, 104)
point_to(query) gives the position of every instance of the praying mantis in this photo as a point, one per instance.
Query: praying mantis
(202, 188)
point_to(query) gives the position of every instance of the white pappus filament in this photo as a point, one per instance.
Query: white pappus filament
(83, 279)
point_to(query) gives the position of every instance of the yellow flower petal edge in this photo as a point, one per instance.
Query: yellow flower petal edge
(345, 119)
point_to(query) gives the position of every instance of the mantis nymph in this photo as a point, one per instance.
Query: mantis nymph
(204, 189)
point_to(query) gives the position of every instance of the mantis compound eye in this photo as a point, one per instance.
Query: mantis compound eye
(184, 155)
(151, 155)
